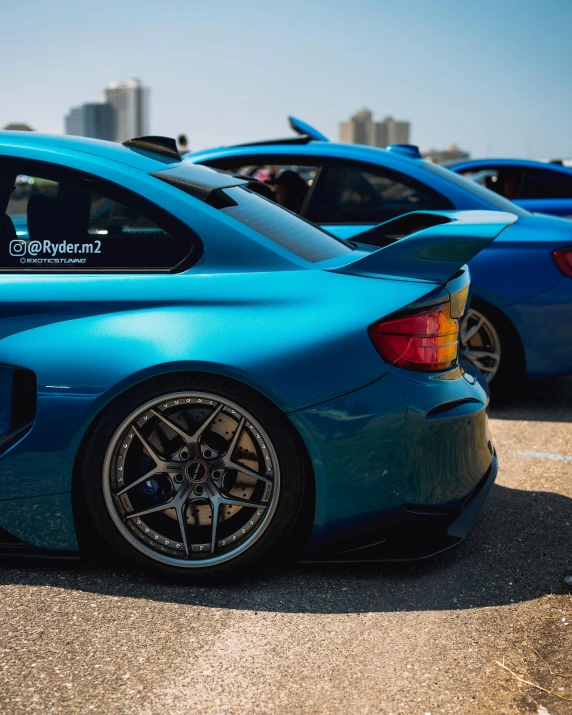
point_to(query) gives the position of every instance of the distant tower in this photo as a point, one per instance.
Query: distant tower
(397, 132)
(93, 119)
(359, 129)
(74, 122)
(362, 129)
(130, 100)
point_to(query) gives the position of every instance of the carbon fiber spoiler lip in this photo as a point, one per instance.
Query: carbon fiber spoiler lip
(432, 254)
(197, 180)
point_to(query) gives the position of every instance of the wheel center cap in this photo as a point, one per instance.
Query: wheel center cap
(196, 471)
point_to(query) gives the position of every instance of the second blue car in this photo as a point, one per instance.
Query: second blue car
(521, 308)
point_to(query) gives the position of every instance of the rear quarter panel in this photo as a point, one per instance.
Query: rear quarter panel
(298, 337)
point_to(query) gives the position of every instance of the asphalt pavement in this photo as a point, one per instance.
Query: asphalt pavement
(484, 628)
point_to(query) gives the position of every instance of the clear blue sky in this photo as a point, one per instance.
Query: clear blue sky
(495, 76)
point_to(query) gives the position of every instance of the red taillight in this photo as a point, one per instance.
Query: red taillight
(426, 340)
(563, 259)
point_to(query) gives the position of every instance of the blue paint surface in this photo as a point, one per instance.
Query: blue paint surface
(296, 332)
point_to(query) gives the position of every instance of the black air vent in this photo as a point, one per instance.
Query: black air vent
(18, 397)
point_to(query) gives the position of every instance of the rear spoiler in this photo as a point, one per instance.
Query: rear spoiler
(431, 254)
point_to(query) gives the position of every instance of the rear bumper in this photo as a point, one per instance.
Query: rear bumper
(419, 536)
(397, 464)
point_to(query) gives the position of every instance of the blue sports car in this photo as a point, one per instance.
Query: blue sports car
(534, 185)
(521, 309)
(197, 381)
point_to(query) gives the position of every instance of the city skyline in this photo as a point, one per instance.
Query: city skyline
(237, 80)
(123, 113)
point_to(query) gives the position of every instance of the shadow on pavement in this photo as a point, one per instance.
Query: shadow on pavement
(543, 400)
(518, 550)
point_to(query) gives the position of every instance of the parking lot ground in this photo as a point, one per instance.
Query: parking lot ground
(430, 637)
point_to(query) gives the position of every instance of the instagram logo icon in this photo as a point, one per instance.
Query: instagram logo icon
(17, 247)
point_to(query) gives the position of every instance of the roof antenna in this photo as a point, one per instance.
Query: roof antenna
(166, 146)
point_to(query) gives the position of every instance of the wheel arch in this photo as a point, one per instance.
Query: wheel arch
(305, 518)
(507, 327)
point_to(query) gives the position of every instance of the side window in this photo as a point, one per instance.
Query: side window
(505, 180)
(488, 178)
(354, 194)
(286, 182)
(60, 225)
(546, 184)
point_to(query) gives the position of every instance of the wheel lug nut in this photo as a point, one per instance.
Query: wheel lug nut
(207, 453)
(199, 490)
(184, 455)
(179, 478)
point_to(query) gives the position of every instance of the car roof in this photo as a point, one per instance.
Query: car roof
(194, 179)
(136, 158)
(524, 163)
(313, 148)
(465, 195)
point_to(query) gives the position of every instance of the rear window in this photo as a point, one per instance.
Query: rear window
(301, 238)
(477, 190)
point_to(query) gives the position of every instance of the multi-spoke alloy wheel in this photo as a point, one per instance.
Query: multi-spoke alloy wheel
(191, 479)
(480, 343)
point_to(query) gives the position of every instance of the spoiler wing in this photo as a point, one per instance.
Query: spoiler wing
(433, 253)
(305, 129)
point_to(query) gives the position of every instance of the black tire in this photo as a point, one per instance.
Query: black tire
(511, 372)
(282, 533)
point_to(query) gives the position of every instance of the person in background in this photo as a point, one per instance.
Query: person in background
(183, 144)
(290, 190)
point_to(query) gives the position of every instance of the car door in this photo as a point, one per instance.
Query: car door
(350, 197)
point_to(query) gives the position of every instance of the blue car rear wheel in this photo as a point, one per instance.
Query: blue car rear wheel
(492, 343)
(480, 343)
(193, 481)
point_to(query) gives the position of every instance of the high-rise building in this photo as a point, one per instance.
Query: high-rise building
(74, 122)
(358, 130)
(362, 129)
(130, 101)
(92, 119)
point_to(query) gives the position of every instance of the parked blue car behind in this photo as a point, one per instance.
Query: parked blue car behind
(198, 381)
(521, 307)
(534, 185)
